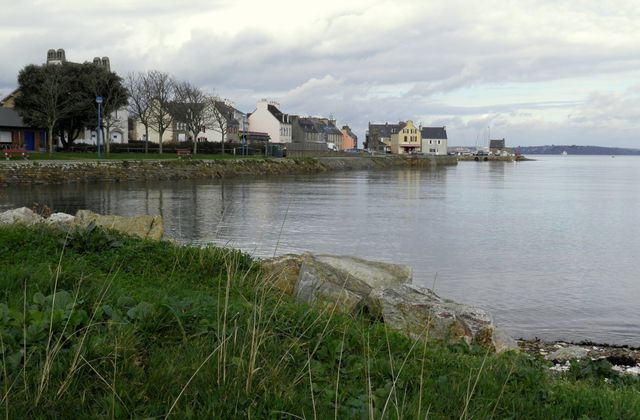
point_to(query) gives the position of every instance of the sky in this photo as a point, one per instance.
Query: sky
(534, 72)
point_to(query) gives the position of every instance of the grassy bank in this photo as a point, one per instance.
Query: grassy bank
(129, 156)
(96, 324)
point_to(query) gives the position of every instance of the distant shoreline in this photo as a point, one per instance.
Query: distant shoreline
(577, 150)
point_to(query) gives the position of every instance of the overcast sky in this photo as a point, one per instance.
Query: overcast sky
(532, 71)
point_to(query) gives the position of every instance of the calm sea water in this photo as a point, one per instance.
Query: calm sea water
(549, 247)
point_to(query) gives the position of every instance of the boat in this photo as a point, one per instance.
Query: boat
(564, 153)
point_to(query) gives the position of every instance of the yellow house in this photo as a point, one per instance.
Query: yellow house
(407, 140)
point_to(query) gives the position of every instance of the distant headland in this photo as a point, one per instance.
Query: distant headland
(576, 150)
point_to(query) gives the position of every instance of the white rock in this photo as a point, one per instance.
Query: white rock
(23, 216)
(60, 219)
(568, 353)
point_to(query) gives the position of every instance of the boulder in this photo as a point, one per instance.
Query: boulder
(344, 283)
(23, 216)
(282, 272)
(144, 226)
(60, 220)
(565, 354)
(420, 313)
(502, 341)
(384, 292)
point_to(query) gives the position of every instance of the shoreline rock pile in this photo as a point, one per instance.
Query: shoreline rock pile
(384, 292)
(143, 226)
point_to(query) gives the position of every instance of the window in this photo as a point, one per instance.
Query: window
(438, 141)
(405, 138)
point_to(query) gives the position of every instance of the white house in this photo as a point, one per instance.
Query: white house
(434, 140)
(118, 129)
(267, 118)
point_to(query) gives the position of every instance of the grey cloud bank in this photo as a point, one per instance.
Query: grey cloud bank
(537, 72)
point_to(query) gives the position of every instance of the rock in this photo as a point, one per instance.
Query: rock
(60, 220)
(344, 283)
(144, 226)
(23, 216)
(503, 342)
(420, 313)
(568, 353)
(282, 272)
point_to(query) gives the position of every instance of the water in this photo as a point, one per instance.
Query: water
(549, 247)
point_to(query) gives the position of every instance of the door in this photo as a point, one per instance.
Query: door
(29, 141)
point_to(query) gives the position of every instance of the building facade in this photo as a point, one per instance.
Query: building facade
(406, 140)
(267, 118)
(349, 139)
(434, 140)
(14, 134)
(378, 136)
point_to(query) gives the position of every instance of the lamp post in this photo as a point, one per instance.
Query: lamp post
(99, 102)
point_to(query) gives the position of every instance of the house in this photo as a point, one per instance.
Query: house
(497, 146)
(378, 136)
(267, 118)
(9, 101)
(349, 140)
(434, 140)
(315, 130)
(406, 140)
(233, 121)
(15, 134)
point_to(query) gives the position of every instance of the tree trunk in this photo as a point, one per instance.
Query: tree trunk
(195, 143)
(160, 133)
(50, 140)
(222, 147)
(107, 140)
(146, 138)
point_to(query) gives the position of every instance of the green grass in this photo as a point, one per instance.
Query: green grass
(98, 325)
(127, 156)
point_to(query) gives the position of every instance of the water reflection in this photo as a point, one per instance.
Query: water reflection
(546, 246)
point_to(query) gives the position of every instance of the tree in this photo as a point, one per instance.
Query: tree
(46, 97)
(195, 109)
(162, 88)
(140, 102)
(61, 97)
(223, 114)
(108, 85)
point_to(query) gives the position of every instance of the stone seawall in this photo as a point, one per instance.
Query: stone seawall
(60, 172)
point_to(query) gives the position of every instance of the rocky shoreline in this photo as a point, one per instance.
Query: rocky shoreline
(625, 359)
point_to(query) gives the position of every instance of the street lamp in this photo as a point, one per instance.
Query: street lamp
(99, 102)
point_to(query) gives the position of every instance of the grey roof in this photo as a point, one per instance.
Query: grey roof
(496, 144)
(434, 133)
(10, 118)
(386, 129)
(277, 113)
(227, 111)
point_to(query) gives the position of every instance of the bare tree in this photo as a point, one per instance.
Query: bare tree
(162, 87)
(223, 115)
(194, 108)
(140, 102)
